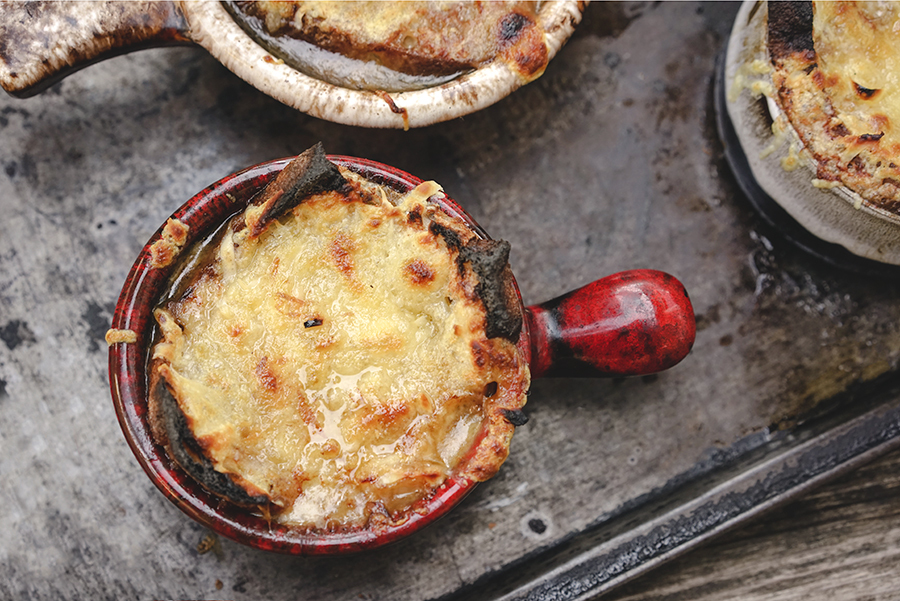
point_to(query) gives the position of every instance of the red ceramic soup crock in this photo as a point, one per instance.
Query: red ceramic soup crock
(630, 323)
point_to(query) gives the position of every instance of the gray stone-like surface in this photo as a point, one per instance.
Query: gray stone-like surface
(609, 161)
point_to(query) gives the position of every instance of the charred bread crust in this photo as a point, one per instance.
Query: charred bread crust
(790, 29)
(308, 174)
(170, 427)
(490, 261)
(483, 280)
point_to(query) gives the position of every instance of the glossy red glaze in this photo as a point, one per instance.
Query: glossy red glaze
(128, 379)
(542, 347)
(627, 324)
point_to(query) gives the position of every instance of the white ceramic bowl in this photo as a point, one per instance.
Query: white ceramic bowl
(835, 215)
(48, 41)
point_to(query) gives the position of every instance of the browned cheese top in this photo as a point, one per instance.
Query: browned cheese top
(337, 364)
(843, 95)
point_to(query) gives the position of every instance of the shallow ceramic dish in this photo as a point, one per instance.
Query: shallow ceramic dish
(631, 323)
(835, 215)
(44, 42)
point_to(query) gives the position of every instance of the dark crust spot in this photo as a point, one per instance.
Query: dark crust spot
(871, 137)
(839, 130)
(864, 93)
(511, 26)
(522, 44)
(516, 417)
(479, 354)
(451, 238)
(419, 272)
(790, 28)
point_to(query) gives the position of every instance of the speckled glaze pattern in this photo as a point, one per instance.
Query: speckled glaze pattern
(46, 41)
(626, 324)
(68, 36)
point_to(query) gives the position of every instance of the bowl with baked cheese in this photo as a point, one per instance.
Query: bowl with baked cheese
(809, 99)
(324, 354)
(367, 63)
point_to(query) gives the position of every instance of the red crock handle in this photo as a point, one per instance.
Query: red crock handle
(628, 324)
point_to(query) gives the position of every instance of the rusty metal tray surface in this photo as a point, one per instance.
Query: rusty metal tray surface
(611, 160)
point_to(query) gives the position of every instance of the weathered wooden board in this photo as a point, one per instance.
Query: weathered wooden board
(841, 542)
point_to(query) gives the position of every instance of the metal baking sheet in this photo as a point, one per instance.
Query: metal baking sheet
(610, 161)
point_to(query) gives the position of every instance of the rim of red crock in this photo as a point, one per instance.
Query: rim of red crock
(128, 362)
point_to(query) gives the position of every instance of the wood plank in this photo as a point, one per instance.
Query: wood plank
(841, 543)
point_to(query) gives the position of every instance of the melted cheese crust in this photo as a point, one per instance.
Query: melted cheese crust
(844, 100)
(417, 37)
(337, 363)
